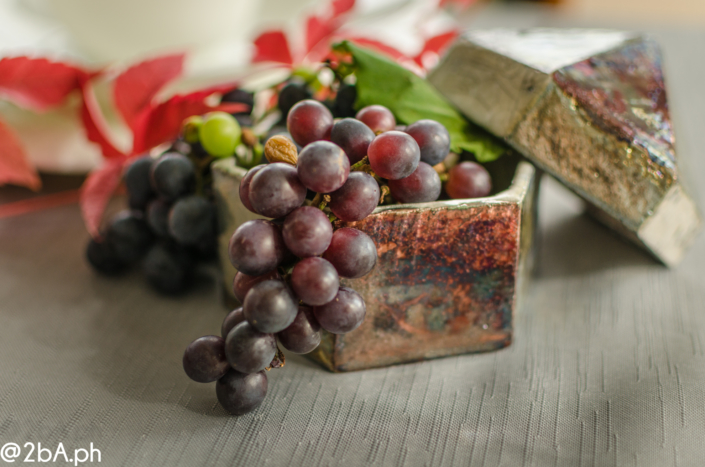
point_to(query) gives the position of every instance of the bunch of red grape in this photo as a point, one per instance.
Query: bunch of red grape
(289, 268)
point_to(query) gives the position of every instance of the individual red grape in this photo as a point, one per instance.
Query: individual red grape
(351, 252)
(304, 334)
(394, 155)
(315, 281)
(343, 314)
(243, 282)
(270, 306)
(307, 232)
(139, 188)
(468, 180)
(173, 175)
(378, 118)
(323, 167)
(356, 199)
(353, 136)
(249, 350)
(276, 190)
(245, 187)
(257, 247)
(240, 393)
(204, 359)
(232, 319)
(422, 186)
(309, 121)
(433, 140)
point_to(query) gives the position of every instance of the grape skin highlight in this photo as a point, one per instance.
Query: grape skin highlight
(323, 167)
(343, 314)
(353, 136)
(270, 306)
(352, 253)
(468, 180)
(244, 189)
(256, 247)
(356, 199)
(394, 155)
(242, 283)
(204, 359)
(315, 281)
(249, 350)
(241, 393)
(309, 121)
(422, 186)
(307, 232)
(378, 118)
(433, 140)
(304, 334)
(276, 190)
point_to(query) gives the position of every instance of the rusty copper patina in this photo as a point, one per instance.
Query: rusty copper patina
(590, 107)
(446, 280)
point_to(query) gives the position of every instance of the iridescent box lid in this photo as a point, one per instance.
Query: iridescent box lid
(590, 108)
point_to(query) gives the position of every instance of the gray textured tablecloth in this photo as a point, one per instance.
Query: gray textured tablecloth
(608, 365)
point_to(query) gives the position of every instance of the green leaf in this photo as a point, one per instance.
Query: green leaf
(411, 98)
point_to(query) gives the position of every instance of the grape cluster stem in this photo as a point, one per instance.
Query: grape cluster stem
(278, 361)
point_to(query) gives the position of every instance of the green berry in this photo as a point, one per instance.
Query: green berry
(191, 128)
(220, 133)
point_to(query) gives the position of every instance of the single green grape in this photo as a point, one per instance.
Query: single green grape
(191, 128)
(220, 133)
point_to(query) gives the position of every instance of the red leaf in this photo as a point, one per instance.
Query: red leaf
(97, 191)
(342, 6)
(94, 123)
(136, 87)
(38, 84)
(272, 46)
(14, 166)
(317, 30)
(162, 123)
(435, 46)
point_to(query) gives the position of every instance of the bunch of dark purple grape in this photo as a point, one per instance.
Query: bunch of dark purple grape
(171, 224)
(290, 267)
(168, 226)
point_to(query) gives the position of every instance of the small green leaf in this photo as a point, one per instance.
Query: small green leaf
(411, 98)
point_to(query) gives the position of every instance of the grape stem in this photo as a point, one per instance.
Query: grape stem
(278, 361)
(200, 163)
(384, 192)
(363, 165)
(324, 203)
(316, 200)
(443, 177)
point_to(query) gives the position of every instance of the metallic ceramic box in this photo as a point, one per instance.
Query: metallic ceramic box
(448, 277)
(589, 107)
